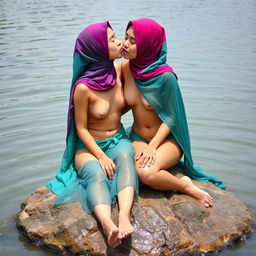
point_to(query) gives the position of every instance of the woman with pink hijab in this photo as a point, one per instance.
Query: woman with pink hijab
(159, 133)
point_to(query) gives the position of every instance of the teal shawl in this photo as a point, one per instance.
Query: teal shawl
(92, 67)
(161, 90)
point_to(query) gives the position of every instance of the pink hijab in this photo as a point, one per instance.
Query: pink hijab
(150, 38)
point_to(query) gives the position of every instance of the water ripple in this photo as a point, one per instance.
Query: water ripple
(214, 56)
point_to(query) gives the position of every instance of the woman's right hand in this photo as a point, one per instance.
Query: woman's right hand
(108, 166)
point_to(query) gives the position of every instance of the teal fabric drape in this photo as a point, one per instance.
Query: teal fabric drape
(93, 187)
(66, 174)
(163, 94)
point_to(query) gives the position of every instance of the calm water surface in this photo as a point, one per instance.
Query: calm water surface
(211, 46)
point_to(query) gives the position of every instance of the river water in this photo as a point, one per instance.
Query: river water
(211, 46)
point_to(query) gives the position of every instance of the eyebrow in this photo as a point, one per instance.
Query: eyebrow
(112, 36)
(130, 36)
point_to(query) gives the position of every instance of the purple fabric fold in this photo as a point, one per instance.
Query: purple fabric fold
(91, 64)
(92, 46)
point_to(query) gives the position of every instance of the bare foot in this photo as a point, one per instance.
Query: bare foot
(125, 226)
(200, 195)
(112, 232)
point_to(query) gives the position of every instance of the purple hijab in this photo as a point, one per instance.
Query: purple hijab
(91, 64)
(92, 67)
(92, 46)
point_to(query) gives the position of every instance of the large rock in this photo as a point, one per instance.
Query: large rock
(166, 223)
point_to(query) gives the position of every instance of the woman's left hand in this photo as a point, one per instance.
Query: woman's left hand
(146, 156)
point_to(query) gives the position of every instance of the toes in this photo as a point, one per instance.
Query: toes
(125, 234)
(207, 203)
(120, 236)
(117, 243)
(210, 200)
(113, 238)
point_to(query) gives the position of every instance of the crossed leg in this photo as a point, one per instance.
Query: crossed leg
(168, 154)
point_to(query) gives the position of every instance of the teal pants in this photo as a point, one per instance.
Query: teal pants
(93, 187)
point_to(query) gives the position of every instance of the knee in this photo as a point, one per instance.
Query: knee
(98, 174)
(124, 156)
(93, 172)
(146, 176)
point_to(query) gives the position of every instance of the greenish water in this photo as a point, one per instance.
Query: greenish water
(211, 46)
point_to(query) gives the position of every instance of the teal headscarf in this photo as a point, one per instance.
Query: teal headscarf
(160, 88)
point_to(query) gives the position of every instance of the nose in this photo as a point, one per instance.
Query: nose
(125, 43)
(118, 42)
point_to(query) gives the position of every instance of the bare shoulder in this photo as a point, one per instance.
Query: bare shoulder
(82, 90)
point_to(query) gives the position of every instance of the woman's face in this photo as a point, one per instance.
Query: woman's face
(114, 46)
(129, 50)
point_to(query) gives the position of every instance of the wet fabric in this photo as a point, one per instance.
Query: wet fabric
(107, 143)
(92, 66)
(93, 187)
(163, 94)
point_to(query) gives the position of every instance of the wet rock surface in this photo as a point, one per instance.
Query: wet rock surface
(166, 223)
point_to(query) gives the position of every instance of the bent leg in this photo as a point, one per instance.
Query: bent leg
(82, 156)
(168, 154)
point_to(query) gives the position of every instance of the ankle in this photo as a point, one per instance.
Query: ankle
(186, 187)
(106, 224)
(124, 214)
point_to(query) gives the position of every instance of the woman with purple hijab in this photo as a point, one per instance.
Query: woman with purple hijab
(97, 166)
(159, 132)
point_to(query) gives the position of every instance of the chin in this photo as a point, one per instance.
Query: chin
(125, 57)
(119, 56)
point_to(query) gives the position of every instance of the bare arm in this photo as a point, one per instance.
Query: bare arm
(81, 102)
(160, 135)
(147, 155)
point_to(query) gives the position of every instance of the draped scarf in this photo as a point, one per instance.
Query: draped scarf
(158, 84)
(92, 67)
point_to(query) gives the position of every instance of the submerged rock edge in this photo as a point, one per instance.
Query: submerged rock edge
(165, 224)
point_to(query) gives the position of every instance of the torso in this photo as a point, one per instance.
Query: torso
(104, 109)
(146, 122)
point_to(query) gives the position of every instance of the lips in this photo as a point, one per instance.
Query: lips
(124, 51)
